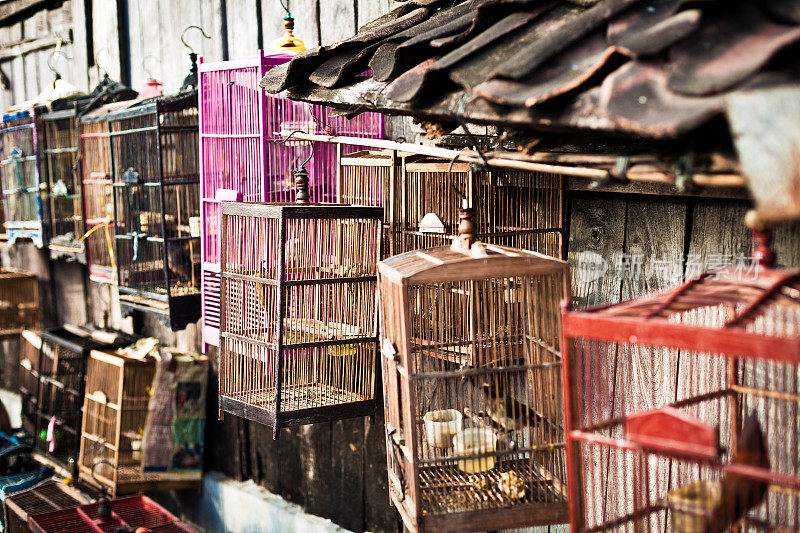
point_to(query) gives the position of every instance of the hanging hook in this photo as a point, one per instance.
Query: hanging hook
(56, 52)
(450, 179)
(462, 102)
(144, 66)
(97, 61)
(285, 7)
(191, 50)
(310, 153)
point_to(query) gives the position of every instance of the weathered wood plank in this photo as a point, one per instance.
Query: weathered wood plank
(787, 245)
(242, 29)
(290, 469)
(212, 23)
(106, 39)
(348, 487)
(596, 238)
(272, 20)
(307, 21)
(369, 10)
(379, 514)
(337, 20)
(318, 456)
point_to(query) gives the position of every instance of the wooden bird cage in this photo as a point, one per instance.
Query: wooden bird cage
(98, 198)
(19, 302)
(514, 208)
(52, 376)
(23, 183)
(242, 159)
(471, 378)
(114, 417)
(683, 402)
(299, 328)
(156, 207)
(61, 160)
(43, 498)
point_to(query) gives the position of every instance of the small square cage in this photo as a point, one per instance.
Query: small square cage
(22, 182)
(98, 198)
(45, 497)
(133, 513)
(241, 157)
(520, 209)
(156, 208)
(471, 362)
(57, 389)
(682, 407)
(62, 163)
(19, 302)
(299, 326)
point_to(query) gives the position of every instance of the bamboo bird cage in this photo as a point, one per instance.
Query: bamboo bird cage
(98, 198)
(62, 162)
(115, 410)
(241, 158)
(299, 327)
(683, 403)
(49, 496)
(154, 147)
(513, 208)
(23, 183)
(53, 372)
(471, 365)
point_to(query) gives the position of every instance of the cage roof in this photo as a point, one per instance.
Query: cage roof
(747, 292)
(442, 264)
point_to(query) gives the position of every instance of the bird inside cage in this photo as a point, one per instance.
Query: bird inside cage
(182, 264)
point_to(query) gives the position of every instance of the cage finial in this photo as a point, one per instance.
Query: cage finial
(465, 242)
(301, 184)
(763, 254)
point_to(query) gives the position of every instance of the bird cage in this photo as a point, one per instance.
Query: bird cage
(682, 406)
(23, 184)
(60, 154)
(116, 399)
(30, 344)
(19, 302)
(156, 208)
(98, 204)
(299, 329)
(133, 513)
(241, 158)
(515, 208)
(471, 378)
(58, 388)
(43, 498)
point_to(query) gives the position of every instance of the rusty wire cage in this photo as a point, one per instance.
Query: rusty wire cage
(299, 328)
(471, 366)
(61, 160)
(514, 208)
(682, 407)
(98, 204)
(23, 183)
(156, 207)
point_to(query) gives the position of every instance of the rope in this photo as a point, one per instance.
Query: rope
(109, 241)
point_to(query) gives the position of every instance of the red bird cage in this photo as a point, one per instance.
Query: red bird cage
(682, 407)
(240, 158)
(124, 514)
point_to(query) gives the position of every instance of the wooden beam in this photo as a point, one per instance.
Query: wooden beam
(25, 47)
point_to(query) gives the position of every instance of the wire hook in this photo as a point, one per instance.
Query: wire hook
(310, 153)
(450, 176)
(144, 65)
(462, 102)
(285, 7)
(56, 52)
(97, 60)
(183, 33)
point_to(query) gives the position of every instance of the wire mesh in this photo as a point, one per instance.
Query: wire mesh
(472, 397)
(298, 297)
(680, 358)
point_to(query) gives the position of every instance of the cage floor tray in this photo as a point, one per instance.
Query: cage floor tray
(298, 397)
(445, 489)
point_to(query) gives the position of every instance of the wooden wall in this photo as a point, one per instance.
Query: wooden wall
(620, 245)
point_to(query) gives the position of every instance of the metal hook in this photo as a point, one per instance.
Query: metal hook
(461, 122)
(450, 177)
(54, 54)
(191, 50)
(285, 7)
(310, 153)
(97, 60)
(144, 65)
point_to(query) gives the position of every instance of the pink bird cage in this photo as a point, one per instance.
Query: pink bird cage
(241, 158)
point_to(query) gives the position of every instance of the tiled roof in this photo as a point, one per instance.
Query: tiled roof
(651, 68)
